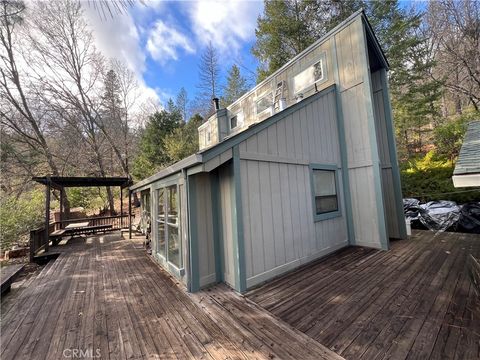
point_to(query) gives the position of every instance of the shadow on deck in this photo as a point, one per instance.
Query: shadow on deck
(103, 297)
(415, 301)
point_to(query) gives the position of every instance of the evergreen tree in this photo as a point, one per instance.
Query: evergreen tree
(182, 103)
(282, 32)
(152, 154)
(183, 141)
(236, 86)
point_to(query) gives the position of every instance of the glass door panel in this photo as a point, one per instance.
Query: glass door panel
(161, 222)
(173, 221)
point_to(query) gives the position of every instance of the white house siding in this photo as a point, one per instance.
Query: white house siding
(363, 160)
(279, 229)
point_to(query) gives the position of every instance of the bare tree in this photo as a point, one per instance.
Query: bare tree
(209, 76)
(455, 30)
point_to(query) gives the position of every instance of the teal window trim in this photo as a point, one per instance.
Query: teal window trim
(331, 214)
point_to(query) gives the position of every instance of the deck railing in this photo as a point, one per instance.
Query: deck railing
(37, 239)
(117, 221)
(37, 236)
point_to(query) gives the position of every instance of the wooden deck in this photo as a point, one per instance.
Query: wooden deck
(104, 298)
(415, 301)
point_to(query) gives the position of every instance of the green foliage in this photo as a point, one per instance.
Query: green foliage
(448, 137)
(152, 154)
(282, 33)
(18, 215)
(87, 198)
(429, 178)
(183, 141)
(236, 86)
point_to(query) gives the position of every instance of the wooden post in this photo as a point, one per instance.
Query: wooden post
(129, 213)
(121, 207)
(62, 190)
(47, 213)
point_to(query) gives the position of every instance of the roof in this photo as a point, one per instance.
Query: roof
(172, 169)
(76, 181)
(468, 161)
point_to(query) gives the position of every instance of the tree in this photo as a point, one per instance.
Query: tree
(236, 86)
(454, 30)
(183, 141)
(182, 103)
(209, 78)
(152, 154)
(282, 32)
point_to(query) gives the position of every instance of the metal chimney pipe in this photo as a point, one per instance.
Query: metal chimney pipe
(216, 102)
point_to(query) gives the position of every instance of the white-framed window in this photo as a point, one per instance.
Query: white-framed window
(314, 74)
(169, 245)
(236, 120)
(264, 103)
(325, 195)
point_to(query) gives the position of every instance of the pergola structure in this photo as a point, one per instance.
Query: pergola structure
(62, 182)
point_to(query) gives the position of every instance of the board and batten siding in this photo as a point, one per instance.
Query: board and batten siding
(353, 83)
(279, 231)
(388, 186)
(225, 185)
(204, 229)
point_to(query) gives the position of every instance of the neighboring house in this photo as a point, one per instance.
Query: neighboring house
(467, 168)
(299, 167)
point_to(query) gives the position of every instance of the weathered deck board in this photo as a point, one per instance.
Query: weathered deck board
(413, 302)
(105, 294)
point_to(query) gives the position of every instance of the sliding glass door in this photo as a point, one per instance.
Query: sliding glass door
(169, 245)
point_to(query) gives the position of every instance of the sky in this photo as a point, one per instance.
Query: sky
(162, 41)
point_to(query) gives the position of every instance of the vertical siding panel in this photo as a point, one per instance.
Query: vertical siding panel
(252, 144)
(246, 218)
(266, 215)
(287, 213)
(255, 218)
(297, 235)
(311, 120)
(297, 136)
(289, 135)
(282, 139)
(262, 142)
(272, 140)
(277, 212)
(304, 133)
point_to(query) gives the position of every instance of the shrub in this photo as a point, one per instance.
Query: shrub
(429, 178)
(19, 215)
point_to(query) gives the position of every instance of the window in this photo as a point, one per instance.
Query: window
(174, 255)
(236, 120)
(264, 103)
(312, 75)
(161, 222)
(325, 195)
(168, 225)
(233, 122)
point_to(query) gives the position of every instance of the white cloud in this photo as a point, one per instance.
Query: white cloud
(165, 42)
(117, 38)
(227, 24)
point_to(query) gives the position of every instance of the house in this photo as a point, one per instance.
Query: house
(467, 168)
(297, 168)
